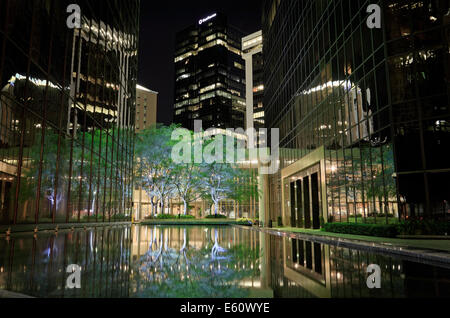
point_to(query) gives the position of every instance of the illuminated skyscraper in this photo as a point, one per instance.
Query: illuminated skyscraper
(67, 110)
(363, 112)
(209, 75)
(146, 108)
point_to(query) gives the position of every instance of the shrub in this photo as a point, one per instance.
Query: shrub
(174, 217)
(245, 221)
(90, 218)
(280, 221)
(120, 217)
(362, 229)
(218, 216)
(186, 217)
(166, 217)
(424, 227)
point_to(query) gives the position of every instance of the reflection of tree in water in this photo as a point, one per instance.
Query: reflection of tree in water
(211, 271)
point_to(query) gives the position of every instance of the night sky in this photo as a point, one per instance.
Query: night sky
(160, 20)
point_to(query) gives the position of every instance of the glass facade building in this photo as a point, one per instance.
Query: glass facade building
(67, 110)
(210, 76)
(363, 112)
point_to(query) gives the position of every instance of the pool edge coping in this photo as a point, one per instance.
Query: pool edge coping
(420, 255)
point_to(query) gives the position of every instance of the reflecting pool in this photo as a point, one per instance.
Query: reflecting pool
(213, 262)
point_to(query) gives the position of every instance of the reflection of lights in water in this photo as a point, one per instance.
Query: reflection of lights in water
(339, 276)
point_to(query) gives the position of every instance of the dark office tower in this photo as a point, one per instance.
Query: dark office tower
(363, 112)
(67, 110)
(209, 75)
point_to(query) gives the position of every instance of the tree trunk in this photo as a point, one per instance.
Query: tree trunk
(185, 207)
(216, 208)
(154, 206)
(162, 206)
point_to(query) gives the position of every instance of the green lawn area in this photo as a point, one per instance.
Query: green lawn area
(442, 245)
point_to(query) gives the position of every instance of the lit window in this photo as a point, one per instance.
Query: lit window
(259, 88)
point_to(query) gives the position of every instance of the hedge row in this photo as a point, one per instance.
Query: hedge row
(218, 216)
(424, 227)
(362, 229)
(419, 227)
(174, 217)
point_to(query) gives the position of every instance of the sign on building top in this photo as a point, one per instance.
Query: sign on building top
(201, 21)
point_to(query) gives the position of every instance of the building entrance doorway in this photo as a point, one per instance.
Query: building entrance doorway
(304, 201)
(5, 195)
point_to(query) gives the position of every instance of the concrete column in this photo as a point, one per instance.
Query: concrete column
(249, 90)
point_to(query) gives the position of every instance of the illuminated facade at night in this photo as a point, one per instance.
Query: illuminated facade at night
(146, 108)
(67, 111)
(363, 113)
(209, 71)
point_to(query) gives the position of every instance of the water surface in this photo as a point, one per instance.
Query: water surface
(218, 262)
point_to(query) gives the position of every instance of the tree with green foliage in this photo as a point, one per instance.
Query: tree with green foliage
(52, 184)
(187, 172)
(155, 170)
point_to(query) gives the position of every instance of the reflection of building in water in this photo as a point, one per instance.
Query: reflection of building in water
(67, 99)
(366, 110)
(37, 266)
(311, 269)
